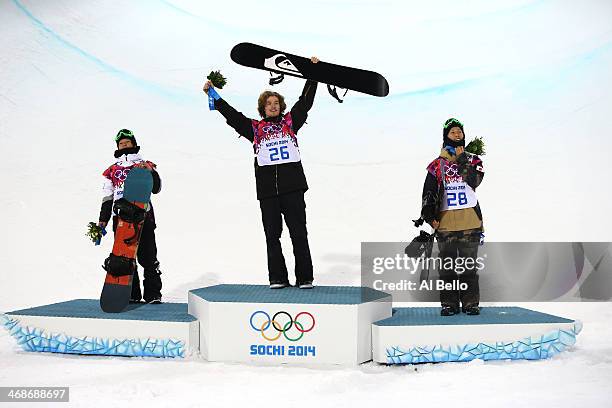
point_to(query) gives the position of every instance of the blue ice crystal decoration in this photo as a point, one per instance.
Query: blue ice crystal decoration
(35, 339)
(529, 348)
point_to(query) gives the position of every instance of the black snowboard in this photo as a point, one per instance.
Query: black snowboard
(256, 56)
(421, 245)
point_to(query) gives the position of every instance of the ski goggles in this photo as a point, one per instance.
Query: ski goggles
(452, 122)
(123, 133)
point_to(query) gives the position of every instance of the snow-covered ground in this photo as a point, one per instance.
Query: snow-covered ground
(531, 77)
(578, 377)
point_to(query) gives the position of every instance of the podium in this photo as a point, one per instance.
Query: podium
(80, 327)
(421, 335)
(336, 325)
(252, 323)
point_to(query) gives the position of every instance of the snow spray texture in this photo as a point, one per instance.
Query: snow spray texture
(282, 334)
(508, 271)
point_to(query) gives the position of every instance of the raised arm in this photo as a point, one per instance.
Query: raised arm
(299, 111)
(241, 124)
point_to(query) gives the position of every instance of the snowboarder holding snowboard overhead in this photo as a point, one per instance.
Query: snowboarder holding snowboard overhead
(127, 158)
(279, 176)
(451, 208)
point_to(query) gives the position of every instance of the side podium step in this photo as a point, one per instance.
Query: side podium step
(80, 327)
(421, 335)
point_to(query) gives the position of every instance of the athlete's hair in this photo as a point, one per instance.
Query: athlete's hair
(263, 98)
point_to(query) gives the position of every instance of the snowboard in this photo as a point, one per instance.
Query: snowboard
(256, 56)
(421, 245)
(121, 264)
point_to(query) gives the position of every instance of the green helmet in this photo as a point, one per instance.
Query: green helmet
(125, 134)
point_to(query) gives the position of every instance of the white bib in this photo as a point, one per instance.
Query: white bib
(457, 193)
(277, 150)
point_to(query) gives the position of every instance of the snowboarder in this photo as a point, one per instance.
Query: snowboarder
(127, 157)
(279, 176)
(451, 208)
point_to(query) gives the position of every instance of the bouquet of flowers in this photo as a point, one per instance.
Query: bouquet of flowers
(95, 232)
(476, 147)
(217, 79)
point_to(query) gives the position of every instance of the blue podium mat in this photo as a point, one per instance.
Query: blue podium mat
(330, 295)
(90, 308)
(430, 316)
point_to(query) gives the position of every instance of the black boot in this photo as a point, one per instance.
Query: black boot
(448, 310)
(152, 285)
(279, 285)
(471, 310)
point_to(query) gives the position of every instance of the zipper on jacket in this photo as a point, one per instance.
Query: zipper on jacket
(276, 177)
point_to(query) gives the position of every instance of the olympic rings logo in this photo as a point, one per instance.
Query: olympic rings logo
(121, 174)
(275, 324)
(452, 170)
(272, 128)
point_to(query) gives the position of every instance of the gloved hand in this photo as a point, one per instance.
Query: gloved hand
(462, 159)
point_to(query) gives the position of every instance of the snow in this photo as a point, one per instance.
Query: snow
(579, 376)
(531, 77)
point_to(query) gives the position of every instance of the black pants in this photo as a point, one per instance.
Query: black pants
(454, 247)
(147, 258)
(293, 208)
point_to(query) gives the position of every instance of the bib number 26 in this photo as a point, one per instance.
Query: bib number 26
(454, 199)
(275, 152)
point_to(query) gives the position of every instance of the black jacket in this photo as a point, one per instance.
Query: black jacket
(278, 179)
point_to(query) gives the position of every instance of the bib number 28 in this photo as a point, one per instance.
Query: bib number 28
(454, 199)
(275, 152)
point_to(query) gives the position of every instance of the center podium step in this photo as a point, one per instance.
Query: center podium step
(253, 323)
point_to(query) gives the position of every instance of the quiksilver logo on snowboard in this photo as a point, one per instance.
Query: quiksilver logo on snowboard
(280, 62)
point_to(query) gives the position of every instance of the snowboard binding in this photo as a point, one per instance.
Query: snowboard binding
(276, 80)
(129, 212)
(332, 91)
(119, 265)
